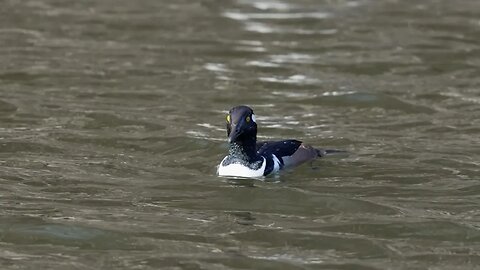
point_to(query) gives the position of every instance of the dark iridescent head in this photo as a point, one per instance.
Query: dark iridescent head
(241, 124)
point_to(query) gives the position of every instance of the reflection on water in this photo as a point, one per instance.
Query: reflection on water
(112, 124)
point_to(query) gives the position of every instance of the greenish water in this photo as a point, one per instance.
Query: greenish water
(112, 124)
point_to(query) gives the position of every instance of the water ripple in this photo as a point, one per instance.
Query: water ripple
(241, 16)
(112, 121)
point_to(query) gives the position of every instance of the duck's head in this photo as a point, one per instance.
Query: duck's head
(241, 124)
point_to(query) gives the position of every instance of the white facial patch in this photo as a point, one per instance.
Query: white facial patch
(253, 118)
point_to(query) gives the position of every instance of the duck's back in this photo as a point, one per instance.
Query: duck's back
(278, 148)
(290, 153)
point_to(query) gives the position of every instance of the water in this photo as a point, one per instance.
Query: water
(112, 123)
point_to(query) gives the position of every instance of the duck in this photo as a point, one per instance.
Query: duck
(252, 159)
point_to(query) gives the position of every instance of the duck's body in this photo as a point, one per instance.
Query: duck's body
(249, 158)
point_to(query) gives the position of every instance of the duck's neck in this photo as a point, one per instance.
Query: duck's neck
(244, 150)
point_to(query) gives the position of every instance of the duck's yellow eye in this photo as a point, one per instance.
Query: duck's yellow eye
(247, 119)
(228, 118)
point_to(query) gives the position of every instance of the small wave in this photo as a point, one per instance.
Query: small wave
(269, 5)
(239, 16)
(261, 64)
(216, 67)
(294, 79)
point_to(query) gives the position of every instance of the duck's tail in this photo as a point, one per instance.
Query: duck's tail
(326, 152)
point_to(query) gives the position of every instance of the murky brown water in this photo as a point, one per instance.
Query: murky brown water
(112, 118)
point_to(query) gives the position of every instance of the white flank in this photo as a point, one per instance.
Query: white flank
(240, 170)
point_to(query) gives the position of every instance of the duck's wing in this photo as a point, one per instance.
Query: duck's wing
(278, 148)
(289, 152)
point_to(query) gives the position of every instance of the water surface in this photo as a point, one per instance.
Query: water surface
(112, 124)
